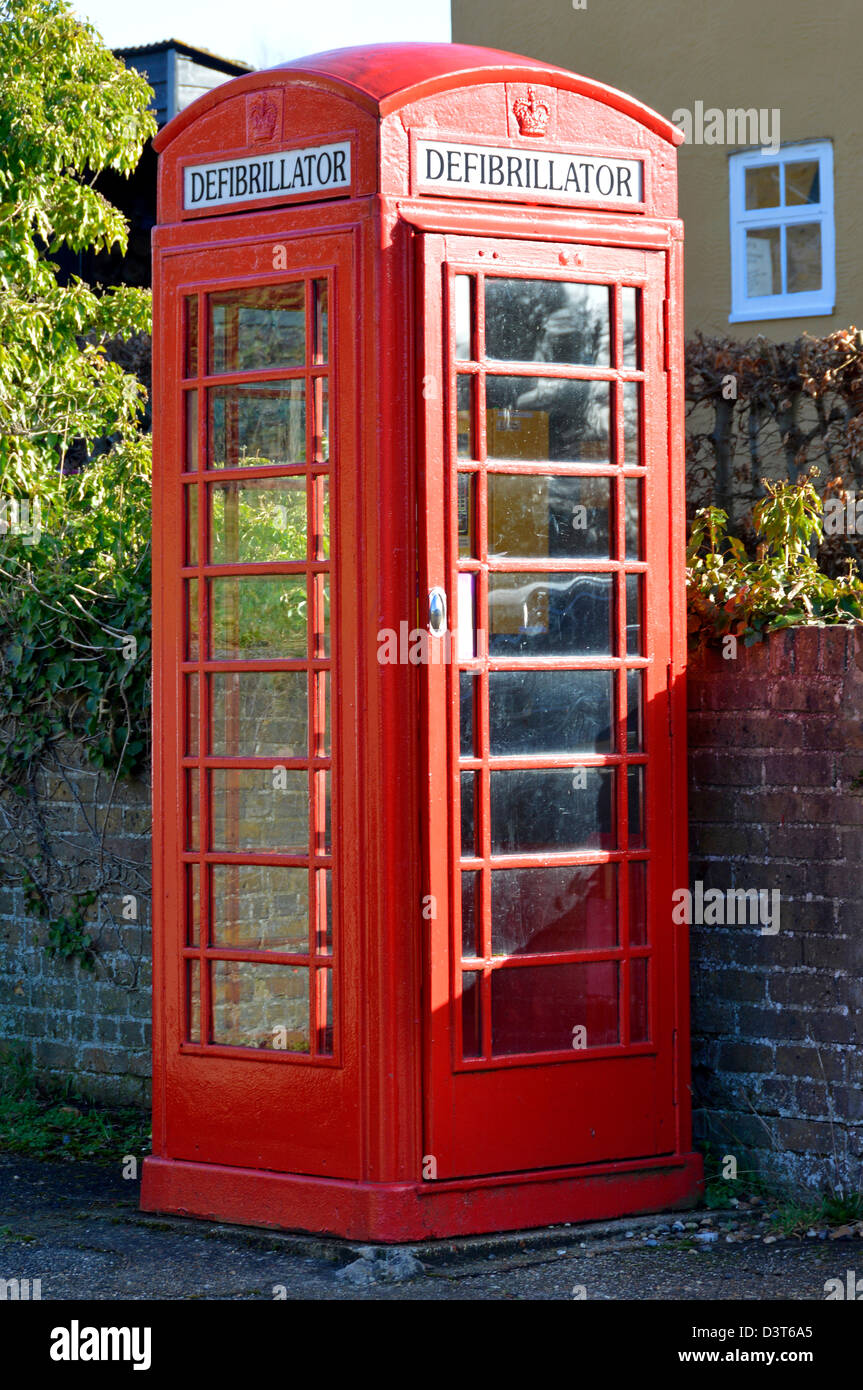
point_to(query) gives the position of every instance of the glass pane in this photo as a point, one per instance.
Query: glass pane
(465, 634)
(468, 814)
(193, 904)
(543, 1008)
(322, 632)
(635, 794)
(464, 417)
(547, 418)
(762, 186)
(325, 1032)
(629, 298)
(259, 908)
(193, 1001)
(322, 420)
(263, 519)
(260, 1005)
(323, 790)
(802, 183)
(632, 423)
(463, 335)
(193, 810)
(323, 543)
(191, 355)
(637, 903)
(327, 879)
(469, 912)
(466, 687)
(258, 616)
(547, 321)
(471, 1014)
(321, 311)
(763, 261)
(550, 614)
(323, 706)
(537, 515)
(638, 1013)
(803, 249)
(534, 810)
(540, 911)
(634, 715)
(256, 328)
(191, 495)
(191, 431)
(633, 519)
(466, 490)
(260, 424)
(259, 809)
(259, 714)
(633, 614)
(192, 651)
(550, 712)
(193, 715)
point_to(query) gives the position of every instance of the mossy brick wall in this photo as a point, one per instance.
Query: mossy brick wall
(776, 802)
(90, 1027)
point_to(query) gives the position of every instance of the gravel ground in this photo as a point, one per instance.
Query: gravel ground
(76, 1227)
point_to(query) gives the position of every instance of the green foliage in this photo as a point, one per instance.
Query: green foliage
(732, 593)
(45, 1120)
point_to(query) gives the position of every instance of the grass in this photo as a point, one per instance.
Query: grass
(43, 1119)
(789, 1215)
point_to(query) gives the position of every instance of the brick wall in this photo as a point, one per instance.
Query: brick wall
(776, 751)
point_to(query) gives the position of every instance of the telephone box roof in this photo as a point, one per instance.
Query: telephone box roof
(385, 76)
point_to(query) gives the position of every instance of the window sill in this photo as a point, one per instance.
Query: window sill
(814, 309)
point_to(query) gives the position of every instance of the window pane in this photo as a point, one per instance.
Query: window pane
(638, 903)
(193, 810)
(468, 814)
(260, 424)
(258, 1005)
(259, 714)
(257, 328)
(463, 336)
(466, 488)
(193, 904)
(534, 810)
(264, 519)
(464, 417)
(550, 712)
(548, 514)
(191, 524)
(629, 298)
(635, 792)
(259, 809)
(192, 644)
(539, 1008)
(633, 519)
(535, 911)
(632, 423)
(762, 186)
(803, 249)
(547, 321)
(320, 290)
(638, 1013)
(550, 614)
(633, 615)
(763, 262)
(802, 183)
(547, 418)
(255, 907)
(191, 359)
(191, 432)
(469, 912)
(471, 1014)
(466, 687)
(258, 616)
(193, 1001)
(193, 715)
(635, 707)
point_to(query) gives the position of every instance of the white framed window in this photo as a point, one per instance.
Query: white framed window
(783, 262)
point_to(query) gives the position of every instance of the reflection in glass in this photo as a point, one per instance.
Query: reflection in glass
(634, 619)
(321, 446)
(325, 1032)
(255, 328)
(547, 321)
(550, 712)
(637, 902)
(191, 356)
(321, 306)
(192, 646)
(463, 317)
(551, 809)
(263, 519)
(629, 297)
(466, 687)
(802, 183)
(537, 1008)
(193, 1001)
(467, 783)
(547, 418)
(763, 261)
(635, 795)
(193, 810)
(803, 249)
(191, 431)
(464, 416)
(193, 715)
(259, 714)
(638, 1002)
(633, 519)
(536, 515)
(259, 908)
(260, 1005)
(193, 904)
(632, 422)
(471, 1014)
(634, 716)
(469, 911)
(762, 186)
(544, 911)
(466, 486)
(257, 617)
(257, 424)
(534, 614)
(258, 809)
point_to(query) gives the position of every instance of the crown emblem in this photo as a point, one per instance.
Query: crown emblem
(531, 113)
(263, 114)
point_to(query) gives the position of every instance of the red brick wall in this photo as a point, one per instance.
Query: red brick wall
(776, 747)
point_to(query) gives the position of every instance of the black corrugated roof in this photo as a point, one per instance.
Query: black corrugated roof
(209, 59)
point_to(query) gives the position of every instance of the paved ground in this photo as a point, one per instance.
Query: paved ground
(76, 1227)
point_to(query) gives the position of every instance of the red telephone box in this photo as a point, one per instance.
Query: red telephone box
(420, 795)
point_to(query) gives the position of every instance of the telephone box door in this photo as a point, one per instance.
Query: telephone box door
(256, 463)
(549, 962)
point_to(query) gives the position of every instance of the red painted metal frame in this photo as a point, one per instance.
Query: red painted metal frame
(338, 1145)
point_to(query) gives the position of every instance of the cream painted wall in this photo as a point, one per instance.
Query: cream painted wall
(801, 57)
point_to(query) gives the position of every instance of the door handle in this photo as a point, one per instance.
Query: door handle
(437, 611)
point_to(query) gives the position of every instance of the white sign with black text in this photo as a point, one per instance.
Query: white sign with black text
(283, 172)
(528, 175)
